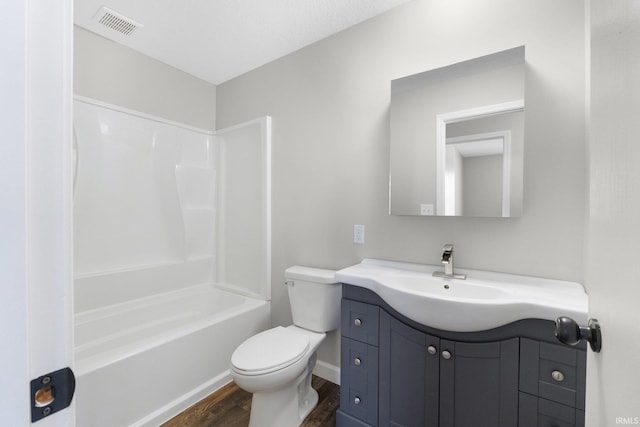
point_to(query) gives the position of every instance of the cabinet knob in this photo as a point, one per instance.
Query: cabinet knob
(432, 350)
(357, 400)
(357, 322)
(446, 355)
(557, 375)
(357, 361)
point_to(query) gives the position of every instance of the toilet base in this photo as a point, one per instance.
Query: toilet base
(287, 407)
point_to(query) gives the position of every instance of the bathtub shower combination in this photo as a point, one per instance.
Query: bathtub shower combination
(172, 260)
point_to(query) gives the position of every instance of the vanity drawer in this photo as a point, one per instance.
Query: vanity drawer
(359, 404)
(538, 412)
(345, 420)
(359, 380)
(360, 321)
(360, 364)
(553, 372)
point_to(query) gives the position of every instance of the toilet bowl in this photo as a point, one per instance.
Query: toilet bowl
(276, 365)
(278, 378)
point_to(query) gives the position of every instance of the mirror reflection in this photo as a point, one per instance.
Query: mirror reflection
(457, 139)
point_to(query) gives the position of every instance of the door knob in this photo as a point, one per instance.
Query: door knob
(569, 332)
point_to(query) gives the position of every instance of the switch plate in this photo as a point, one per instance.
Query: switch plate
(426, 209)
(358, 234)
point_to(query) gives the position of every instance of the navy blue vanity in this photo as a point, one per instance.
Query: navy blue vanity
(398, 372)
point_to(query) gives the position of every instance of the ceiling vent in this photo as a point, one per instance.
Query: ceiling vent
(116, 21)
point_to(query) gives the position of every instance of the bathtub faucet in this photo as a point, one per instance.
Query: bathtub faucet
(447, 260)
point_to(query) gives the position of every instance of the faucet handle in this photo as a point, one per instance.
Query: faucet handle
(447, 251)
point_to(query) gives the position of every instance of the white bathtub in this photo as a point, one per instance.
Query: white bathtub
(141, 362)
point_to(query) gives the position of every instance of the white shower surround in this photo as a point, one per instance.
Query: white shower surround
(153, 311)
(144, 188)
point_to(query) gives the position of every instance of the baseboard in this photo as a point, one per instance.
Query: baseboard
(172, 409)
(327, 371)
(324, 370)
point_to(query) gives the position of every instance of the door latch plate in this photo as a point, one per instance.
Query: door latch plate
(51, 393)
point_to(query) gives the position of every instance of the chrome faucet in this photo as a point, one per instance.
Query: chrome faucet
(447, 260)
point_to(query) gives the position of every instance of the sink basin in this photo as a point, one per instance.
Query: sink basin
(485, 300)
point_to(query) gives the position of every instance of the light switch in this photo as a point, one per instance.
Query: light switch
(358, 234)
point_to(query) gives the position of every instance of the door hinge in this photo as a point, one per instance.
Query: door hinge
(51, 393)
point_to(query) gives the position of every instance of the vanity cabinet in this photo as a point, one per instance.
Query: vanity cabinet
(397, 373)
(428, 381)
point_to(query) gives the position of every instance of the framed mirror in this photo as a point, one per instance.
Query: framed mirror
(457, 139)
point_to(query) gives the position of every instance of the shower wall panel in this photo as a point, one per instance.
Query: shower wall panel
(145, 191)
(244, 208)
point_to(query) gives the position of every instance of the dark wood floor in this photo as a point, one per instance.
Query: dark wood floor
(230, 407)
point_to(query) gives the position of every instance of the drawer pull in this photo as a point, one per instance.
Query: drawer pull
(446, 355)
(357, 361)
(357, 400)
(432, 350)
(357, 322)
(557, 375)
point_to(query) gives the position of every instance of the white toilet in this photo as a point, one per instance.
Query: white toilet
(276, 365)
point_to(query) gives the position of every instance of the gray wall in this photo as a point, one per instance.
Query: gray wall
(482, 186)
(112, 73)
(330, 109)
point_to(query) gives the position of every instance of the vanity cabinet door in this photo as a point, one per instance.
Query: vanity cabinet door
(479, 384)
(408, 375)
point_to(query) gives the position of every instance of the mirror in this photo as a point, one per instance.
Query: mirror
(457, 139)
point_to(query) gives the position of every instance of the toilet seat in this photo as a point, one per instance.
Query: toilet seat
(269, 351)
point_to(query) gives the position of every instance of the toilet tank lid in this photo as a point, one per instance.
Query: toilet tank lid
(309, 274)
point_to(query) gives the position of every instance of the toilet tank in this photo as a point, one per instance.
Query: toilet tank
(314, 296)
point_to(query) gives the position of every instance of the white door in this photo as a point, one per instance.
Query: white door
(35, 203)
(613, 235)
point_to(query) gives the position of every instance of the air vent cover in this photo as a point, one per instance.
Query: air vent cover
(116, 21)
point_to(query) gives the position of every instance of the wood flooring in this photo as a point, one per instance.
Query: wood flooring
(230, 407)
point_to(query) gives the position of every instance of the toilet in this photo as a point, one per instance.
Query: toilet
(276, 365)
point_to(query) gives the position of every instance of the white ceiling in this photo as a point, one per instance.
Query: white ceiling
(217, 40)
